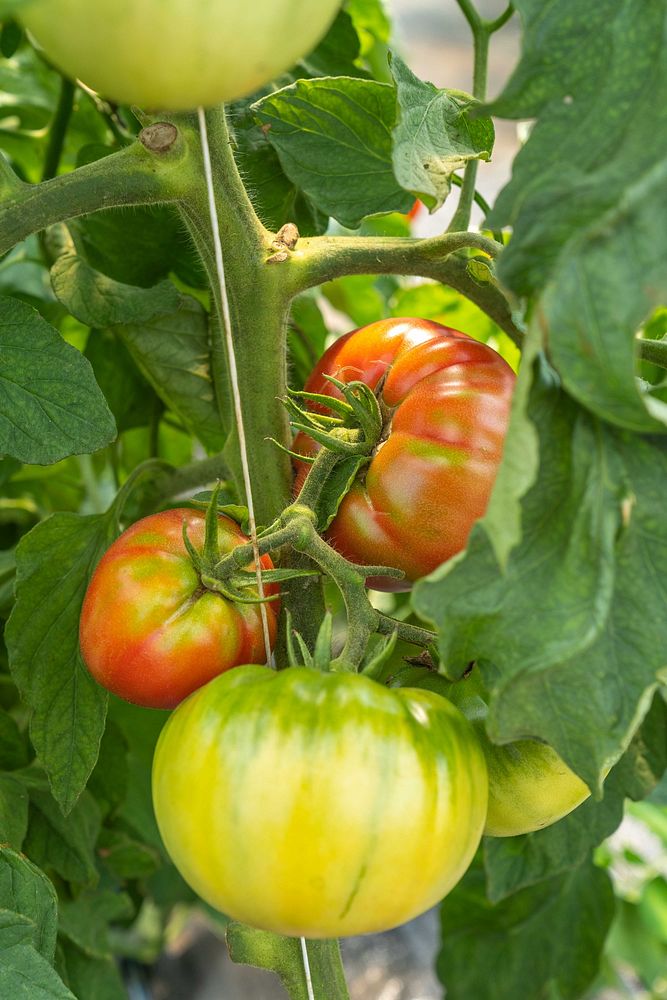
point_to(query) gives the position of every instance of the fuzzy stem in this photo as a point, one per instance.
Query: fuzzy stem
(325, 258)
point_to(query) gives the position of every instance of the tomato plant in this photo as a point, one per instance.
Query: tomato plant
(318, 804)
(171, 55)
(445, 402)
(150, 630)
(168, 283)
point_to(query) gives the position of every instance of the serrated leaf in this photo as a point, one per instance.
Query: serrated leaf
(50, 404)
(333, 137)
(435, 136)
(172, 351)
(585, 190)
(64, 844)
(571, 912)
(281, 955)
(578, 673)
(13, 811)
(97, 300)
(24, 974)
(26, 890)
(68, 707)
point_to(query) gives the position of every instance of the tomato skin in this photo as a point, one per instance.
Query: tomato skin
(430, 478)
(318, 804)
(177, 54)
(530, 786)
(149, 631)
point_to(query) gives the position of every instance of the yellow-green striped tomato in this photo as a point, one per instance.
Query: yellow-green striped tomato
(318, 804)
(530, 786)
(177, 54)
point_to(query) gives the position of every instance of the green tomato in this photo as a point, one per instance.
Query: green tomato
(318, 804)
(177, 54)
(530, 786)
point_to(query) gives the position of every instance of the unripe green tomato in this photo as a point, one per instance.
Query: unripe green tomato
(530, 786)
(318, 804)
(177, 54)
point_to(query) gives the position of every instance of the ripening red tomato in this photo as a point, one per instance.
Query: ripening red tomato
(150, 631)
(446, 400)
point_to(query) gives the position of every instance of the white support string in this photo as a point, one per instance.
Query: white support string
(238, 412)
(233, 373)
(306, 969)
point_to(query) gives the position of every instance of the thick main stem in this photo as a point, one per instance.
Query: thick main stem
(258, 306)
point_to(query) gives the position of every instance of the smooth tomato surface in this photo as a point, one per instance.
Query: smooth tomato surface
(149, 631)
(447, 400)
(530, 786)
(318, 804)
(177, 54)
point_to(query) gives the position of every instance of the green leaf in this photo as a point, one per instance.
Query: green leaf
(578, 673)
(64, 844)
(24, 974)
(333, 137)
(97, 300)
(68, 707)
(50, 404)
(136, 246)
(172, 351)
(307, 339)
(435, 136)
(131, 399)
(26, 890)
(281, 955)
(125, 857)
(141, 728)
(545, 938)
(585, 190)
(92, 977)
(84, 920)
(13, 750)
(13, 811)
(11, 34)
(108, 781)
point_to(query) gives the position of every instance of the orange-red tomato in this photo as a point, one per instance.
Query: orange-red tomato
(446, 398)
(150, 631)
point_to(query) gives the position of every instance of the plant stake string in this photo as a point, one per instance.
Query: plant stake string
(233, 373)
(238, 412)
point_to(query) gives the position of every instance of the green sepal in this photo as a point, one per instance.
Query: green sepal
(195, 556)
(322, 653)
(246, 579)
(231, 593)
(335, 489)
(211, 542)
(292, 635)
(293, 454)
(375, 661)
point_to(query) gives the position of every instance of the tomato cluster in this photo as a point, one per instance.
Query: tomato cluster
(323, 803)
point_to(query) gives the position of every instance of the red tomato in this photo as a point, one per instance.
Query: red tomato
(447, 401)
(150, 631)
